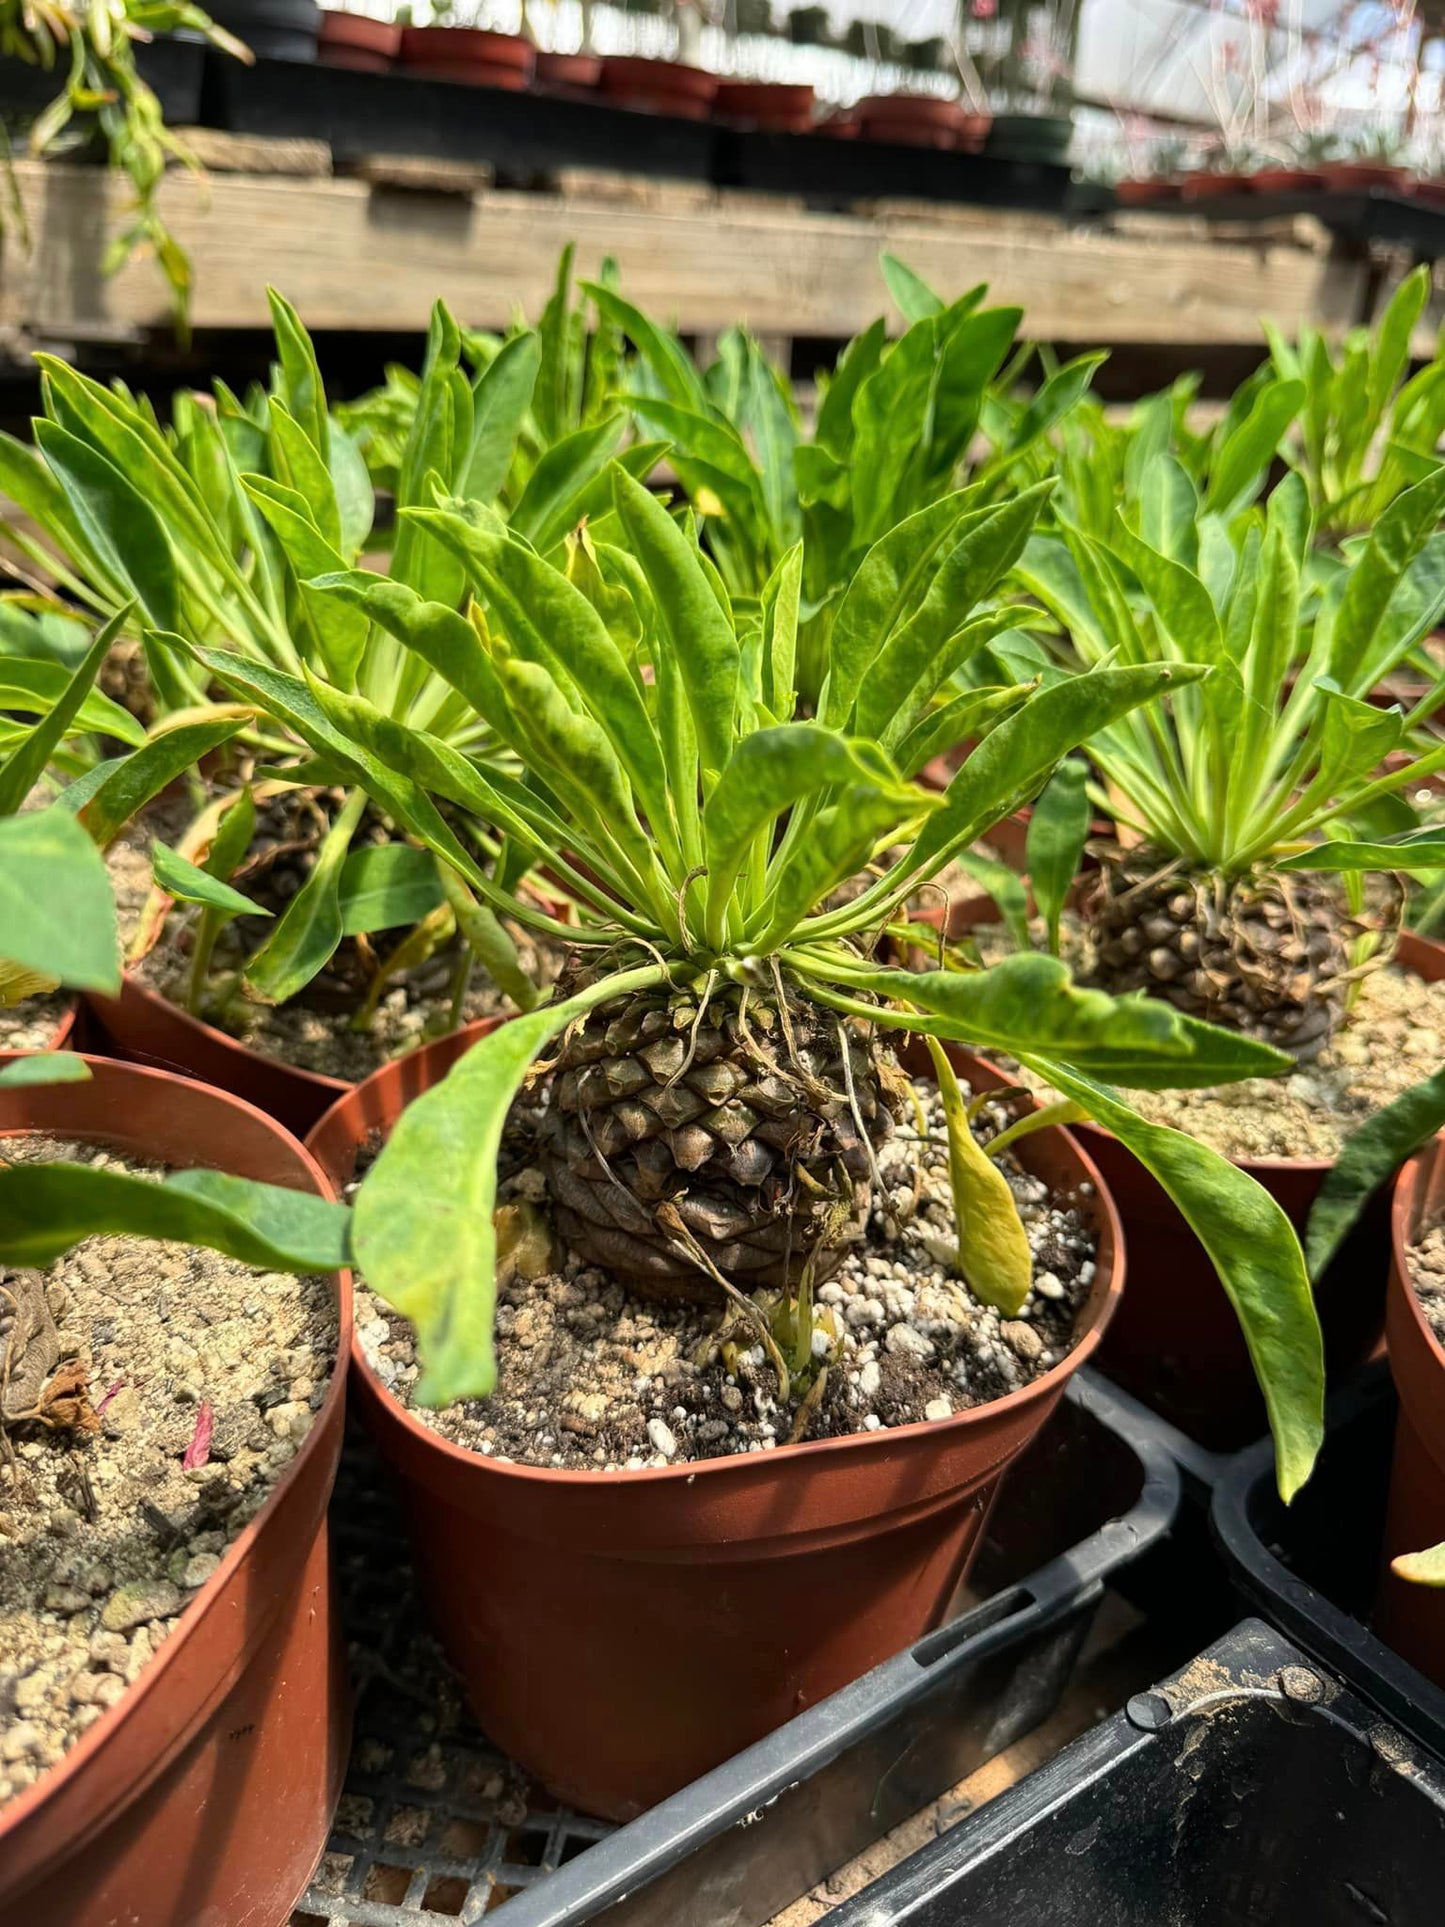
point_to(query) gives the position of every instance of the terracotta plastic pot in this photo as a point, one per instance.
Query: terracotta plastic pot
(1213, 187)
(1287, 180)
(1350, 177)
(912, 120)
(974, 131)
(1145, 192)
(1408, 1617)
(1176, 1343)
(621, 1633)
(659, 86)
(758, 103)
(576, 72)
(352, 40)
(470, 55)
(146, 1028)
(205, 1796)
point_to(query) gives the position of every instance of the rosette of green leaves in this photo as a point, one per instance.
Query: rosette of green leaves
(1281, 743)
(1366, 429)
(57, 918)
(895, 430)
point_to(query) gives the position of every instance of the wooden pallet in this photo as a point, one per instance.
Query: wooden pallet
(357, 254)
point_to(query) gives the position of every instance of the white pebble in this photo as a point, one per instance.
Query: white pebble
(662, 1438)
(937, 1408)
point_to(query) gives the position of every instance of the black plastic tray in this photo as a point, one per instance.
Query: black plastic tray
(171, 66)
(1311, 1568)
(436, 1826)
(525, 137)
(827, 172)
(1251, 1790)
(1358, 215)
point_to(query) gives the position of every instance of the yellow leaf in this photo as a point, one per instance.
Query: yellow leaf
(993, 1247)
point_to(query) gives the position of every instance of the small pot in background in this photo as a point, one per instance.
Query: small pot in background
(758, 103)
(659, 86)
(354, 40)
(207, 1792)
(569, 74)
(1410, 1617)
(1364, 177)
(472, 56)
(912, 120)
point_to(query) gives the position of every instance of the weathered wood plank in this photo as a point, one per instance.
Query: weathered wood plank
(359, 256)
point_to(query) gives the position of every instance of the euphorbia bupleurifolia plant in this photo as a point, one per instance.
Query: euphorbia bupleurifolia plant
(210, 531)
(712, 1073)
(1224, 901)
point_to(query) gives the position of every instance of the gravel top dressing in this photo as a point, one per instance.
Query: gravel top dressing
(591, 1377)
(1427, 1278)
(198, 1378)
(32, 1023)
(1392, 1038)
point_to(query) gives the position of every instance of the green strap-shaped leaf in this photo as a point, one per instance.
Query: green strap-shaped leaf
(553, 502)
(1370, 1158)
(1031, 1004)
(1420, 850)
(340, 629)
(700, 636)
(1056, 836)
(911, 294)
(57, 915)
(33, 686)
(302, 388)
(134, 780)
(44, 1067)
(47, 1208)
(184, 881)
(118, 521)
(886, 587)
(386, 885)
(422, 1231)
(767, 773)
(1254, 1250)
(306, 937)
(993, 1247)
(1013, 761)
(501, 396)
(26, 766)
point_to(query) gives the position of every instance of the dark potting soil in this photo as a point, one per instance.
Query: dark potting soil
(591, 1376)
(178, 1385)
(1427, 1278)
(314, 1030)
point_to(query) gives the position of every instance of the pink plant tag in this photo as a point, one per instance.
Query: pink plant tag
(199, 1449)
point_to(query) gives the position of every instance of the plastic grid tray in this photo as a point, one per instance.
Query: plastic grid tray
(436, 1826)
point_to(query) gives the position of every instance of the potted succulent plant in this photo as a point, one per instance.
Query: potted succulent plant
(176, 1706)
(1219, 899)
(710, 1095)
(1367, 427)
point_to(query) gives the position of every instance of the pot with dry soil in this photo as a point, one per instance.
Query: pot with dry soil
(175, 1707)
(633, 1570)
(1176, 1342)
(295, 1057)
(1409, 1616)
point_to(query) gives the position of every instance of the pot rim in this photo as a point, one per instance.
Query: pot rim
(1086, 1126)
(18, 1810)
(1103, 1299)
(156, 999)
(1404, 1223)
